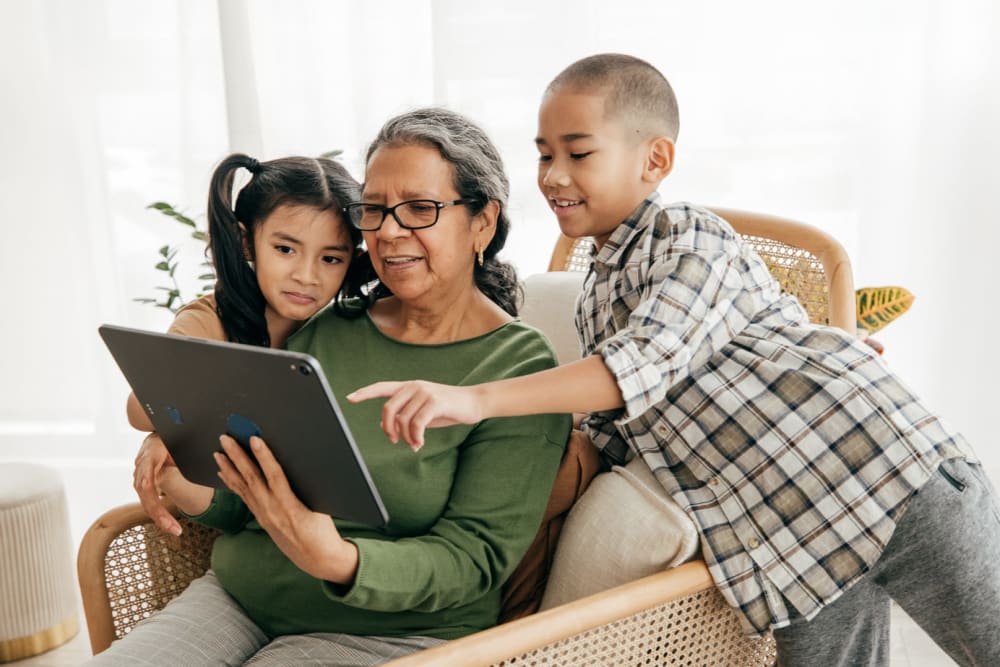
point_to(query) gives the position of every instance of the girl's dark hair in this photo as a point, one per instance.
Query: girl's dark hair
(479, 179)
(299, 181)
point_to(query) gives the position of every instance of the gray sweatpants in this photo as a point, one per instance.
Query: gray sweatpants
(204, 626)
(942, 566)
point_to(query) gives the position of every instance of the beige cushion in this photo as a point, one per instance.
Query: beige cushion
(550, 304)
(623, 528)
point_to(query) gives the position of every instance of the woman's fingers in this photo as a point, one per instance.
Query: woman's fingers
(150, 460)
(153, 505)
(269, 466)
(260, 477)
(236, 469)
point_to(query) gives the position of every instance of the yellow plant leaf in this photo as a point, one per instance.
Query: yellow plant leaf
(877, 306)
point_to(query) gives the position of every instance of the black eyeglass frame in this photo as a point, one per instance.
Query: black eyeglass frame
(387, 210)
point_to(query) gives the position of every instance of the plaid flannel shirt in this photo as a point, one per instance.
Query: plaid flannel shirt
(792, 446)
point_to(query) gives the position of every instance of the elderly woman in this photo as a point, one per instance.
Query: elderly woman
(290, 586)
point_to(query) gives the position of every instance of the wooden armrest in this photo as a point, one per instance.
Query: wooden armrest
(90, 568)
(532, 632)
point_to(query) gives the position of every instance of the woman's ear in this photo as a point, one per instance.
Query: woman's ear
(486, 223)
(659, 159)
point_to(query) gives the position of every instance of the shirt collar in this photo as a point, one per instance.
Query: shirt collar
(615, 249)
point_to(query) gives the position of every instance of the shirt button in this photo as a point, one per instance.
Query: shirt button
(662, 429)
(753, 543)
(714, 481)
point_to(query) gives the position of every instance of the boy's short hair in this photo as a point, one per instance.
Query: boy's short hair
(636, 93)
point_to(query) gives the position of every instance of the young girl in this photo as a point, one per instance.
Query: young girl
(280, 255)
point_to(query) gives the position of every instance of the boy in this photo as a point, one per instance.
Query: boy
(798, 454)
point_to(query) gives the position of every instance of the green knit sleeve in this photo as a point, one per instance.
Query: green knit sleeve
(227, 512)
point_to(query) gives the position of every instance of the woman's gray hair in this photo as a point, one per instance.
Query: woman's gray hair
(479, 178)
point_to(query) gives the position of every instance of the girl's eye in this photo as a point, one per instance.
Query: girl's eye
(330, 259)
(579, 156)
(544, 158)
(283, 249)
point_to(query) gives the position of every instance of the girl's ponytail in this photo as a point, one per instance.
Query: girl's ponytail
(239, 301)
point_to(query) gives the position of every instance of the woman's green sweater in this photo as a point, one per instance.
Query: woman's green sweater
(462, 510)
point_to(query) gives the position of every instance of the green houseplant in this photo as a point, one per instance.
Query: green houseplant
(171, 297)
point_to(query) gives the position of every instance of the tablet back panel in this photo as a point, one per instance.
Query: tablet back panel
(195, 390)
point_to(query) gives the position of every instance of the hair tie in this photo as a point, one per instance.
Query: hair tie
(253, 166)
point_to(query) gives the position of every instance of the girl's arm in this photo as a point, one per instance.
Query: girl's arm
(154, 468)
(137, 417)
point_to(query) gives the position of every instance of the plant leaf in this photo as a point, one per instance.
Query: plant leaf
(199, 235)
(168, 210)
(331, 154)
(162, 266)
(207, 276)
(878, 306)
(165, 250)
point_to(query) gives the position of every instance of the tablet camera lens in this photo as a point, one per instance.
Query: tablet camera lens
(305, 370)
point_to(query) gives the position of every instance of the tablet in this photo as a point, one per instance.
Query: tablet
(194, 390)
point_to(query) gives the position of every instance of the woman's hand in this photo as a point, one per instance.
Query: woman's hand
(150, 463)
(309, 539)
(155, 471)
(417, 405)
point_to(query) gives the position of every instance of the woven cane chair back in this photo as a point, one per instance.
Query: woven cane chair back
(129, 569)
(806, 262)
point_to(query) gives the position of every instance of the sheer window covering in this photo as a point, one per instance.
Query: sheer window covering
(872, 121)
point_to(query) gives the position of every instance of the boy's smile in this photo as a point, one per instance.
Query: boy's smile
(589, 170)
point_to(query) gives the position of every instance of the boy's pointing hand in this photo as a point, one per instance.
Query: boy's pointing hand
(417, 405)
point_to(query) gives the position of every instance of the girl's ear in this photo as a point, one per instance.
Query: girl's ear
(247, 247)
(659, 160)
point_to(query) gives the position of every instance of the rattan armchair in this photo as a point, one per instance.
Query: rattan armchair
(128, 569)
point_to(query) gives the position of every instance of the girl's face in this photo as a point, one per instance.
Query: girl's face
(301, 258)
(421, 264)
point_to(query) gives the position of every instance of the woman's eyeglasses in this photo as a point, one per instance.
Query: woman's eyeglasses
(413, 214)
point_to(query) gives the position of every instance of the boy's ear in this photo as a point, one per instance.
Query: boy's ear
(659, 160)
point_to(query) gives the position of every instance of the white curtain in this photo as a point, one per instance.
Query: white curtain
(874, 121)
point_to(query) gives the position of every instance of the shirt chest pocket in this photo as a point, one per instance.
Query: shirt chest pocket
(625, 296)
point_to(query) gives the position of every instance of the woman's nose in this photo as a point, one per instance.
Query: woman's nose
(391, 229)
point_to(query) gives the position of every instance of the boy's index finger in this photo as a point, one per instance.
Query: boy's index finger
(376, 390)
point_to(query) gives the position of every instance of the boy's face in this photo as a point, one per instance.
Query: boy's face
(589, 171)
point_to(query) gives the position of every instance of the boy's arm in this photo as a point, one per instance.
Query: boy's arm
(581, 386)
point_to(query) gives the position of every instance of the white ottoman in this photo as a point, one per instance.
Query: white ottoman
(38, 609)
